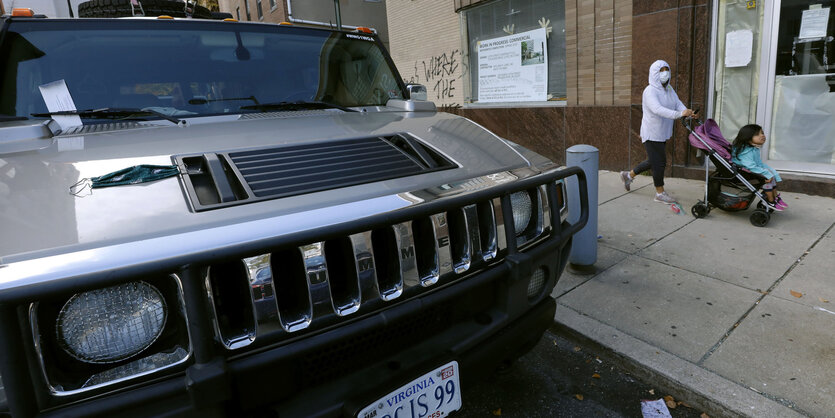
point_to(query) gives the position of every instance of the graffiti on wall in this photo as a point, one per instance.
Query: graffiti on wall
(438, 74)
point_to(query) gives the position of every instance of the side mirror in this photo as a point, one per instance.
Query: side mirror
(416, 91)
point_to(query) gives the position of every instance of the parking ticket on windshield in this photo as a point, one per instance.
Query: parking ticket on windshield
(57, 97)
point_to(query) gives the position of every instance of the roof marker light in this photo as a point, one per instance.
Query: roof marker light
(22, 12)
(286, 24)
(229, 19)
(164, 17)
(364, 29)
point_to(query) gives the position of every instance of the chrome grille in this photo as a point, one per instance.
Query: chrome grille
(294, 288)
(302, 287)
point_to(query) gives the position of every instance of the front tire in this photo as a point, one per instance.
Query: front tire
(759, 218)
(700, 210)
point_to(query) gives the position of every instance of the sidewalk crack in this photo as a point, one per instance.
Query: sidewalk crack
(763, 295)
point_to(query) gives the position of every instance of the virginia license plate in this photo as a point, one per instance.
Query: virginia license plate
(432, 395)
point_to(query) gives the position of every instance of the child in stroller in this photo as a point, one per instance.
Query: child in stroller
(746, 154)
(730, 188)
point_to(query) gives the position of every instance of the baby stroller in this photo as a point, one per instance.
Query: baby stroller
(729, 188)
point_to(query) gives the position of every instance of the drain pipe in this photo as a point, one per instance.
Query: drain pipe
(292, 19)
(583, 253)
(338, 14)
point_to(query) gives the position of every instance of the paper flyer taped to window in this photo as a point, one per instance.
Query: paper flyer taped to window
(514, 68)
(57, 97)
(739, 45)
(813, 23)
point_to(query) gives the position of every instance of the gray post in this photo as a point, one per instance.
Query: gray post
(583, 253)
(338, 14)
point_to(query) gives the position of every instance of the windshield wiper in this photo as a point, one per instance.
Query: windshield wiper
(297, 105)
(112, 113)
(7, 118)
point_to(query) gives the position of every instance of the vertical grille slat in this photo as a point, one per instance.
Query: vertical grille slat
(501, 238)
(459, 240)
(295, 310)
(387, 263)
(487, 230)
(318, 279)
(263, 293)
(342, 276)
(426, 251)
(228, 285)
(406, 252)
(439, 223)
(473, 231)
(364, 265)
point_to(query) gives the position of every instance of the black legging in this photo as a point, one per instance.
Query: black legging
(656, 159)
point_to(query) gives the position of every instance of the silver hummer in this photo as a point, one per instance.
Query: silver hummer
(240, 218)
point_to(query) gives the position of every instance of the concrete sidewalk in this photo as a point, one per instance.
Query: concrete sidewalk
(738, 320)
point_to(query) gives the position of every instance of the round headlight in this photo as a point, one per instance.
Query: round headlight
(521, 204)
(111, 324)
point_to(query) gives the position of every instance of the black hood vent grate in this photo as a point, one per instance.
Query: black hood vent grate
(221, 179)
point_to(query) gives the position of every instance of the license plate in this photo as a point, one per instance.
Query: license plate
(432, 395)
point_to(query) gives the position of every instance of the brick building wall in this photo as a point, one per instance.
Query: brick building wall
(425, 44)
(610, 45)
(271, 14)
(598, 38)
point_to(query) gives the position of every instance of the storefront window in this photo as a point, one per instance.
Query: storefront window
(736, 79)
(803, 111)
(516, 51)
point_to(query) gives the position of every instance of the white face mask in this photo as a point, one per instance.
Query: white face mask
(664, 76)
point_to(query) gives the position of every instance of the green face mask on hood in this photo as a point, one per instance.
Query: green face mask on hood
(132, 175)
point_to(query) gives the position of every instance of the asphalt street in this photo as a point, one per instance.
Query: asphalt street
(561, 378)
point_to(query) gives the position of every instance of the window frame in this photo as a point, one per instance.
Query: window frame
(469, 81)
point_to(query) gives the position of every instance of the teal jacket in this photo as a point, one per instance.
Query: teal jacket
(749, 157)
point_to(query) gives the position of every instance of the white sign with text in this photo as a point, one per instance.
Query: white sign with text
(513, 68)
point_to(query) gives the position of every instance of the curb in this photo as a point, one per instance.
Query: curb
(703, 389)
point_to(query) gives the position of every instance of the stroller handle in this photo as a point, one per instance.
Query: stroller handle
(687, 121)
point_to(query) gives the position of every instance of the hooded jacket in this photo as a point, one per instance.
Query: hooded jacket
(749, 157)
(661, 107)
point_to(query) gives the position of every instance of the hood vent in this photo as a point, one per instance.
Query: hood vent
(217, 180)
(287, 114)
(101, 127)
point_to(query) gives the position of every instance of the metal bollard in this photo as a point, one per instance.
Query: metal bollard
(583, 253)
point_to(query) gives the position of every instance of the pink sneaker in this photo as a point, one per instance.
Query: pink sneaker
(778, 201)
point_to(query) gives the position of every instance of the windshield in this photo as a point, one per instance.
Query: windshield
(188, 68)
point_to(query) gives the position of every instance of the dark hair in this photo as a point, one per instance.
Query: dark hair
(743, 138)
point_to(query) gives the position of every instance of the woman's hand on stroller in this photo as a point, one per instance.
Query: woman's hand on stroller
(690, 113)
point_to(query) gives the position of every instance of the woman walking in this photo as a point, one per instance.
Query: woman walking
(661, 106)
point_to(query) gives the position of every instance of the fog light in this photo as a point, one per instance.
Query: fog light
(521, 204)
(139, 366)
(537, 282)
(111, 324)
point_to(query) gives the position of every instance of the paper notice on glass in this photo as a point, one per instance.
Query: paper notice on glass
(813, 24)
(514, 68)
(57, 97)
(738, 47)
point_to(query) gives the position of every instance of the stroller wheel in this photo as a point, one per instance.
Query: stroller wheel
(700, 210)
(759, 218)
